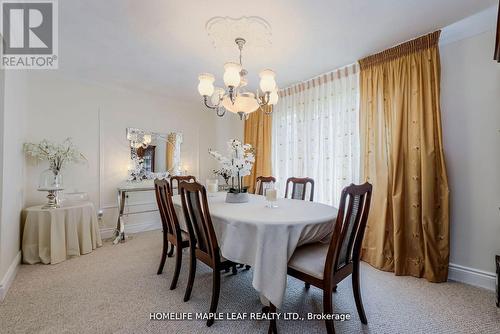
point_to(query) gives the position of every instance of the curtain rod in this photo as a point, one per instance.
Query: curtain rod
(320, 79)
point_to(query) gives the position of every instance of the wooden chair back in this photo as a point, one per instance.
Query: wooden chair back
(199, 223)
(260, 183)
(345, 246)
(299, 188)
(168, 216)
(178, 179)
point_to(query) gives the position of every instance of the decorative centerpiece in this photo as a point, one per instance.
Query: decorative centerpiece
(226, 175)
(238, 164)
(58, 155)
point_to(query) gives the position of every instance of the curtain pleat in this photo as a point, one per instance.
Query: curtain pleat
(258, 134)
(402, 156)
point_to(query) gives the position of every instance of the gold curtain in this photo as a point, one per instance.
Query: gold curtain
(170, 149)
(258, 129)
(402, 152)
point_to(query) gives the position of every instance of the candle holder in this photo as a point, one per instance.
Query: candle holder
(212, 187)
(52, 202)
(271, 197)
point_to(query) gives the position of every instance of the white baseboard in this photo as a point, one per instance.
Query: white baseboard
(108, 232)
(7, 280)
(476, 277)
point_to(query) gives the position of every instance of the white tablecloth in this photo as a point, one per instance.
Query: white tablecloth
(265, 238)
(52, 235)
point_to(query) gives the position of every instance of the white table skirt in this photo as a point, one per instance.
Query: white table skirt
(265, 238)
(53, 235)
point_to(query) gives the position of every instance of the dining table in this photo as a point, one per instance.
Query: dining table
(265, 237)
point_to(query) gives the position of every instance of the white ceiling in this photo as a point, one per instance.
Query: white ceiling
(162, 46)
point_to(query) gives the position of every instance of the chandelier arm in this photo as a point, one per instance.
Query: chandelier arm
(232, 95)
(205, 98)
(264, 100)
(219, 113)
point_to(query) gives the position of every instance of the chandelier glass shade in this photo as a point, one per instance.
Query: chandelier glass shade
(235, 98)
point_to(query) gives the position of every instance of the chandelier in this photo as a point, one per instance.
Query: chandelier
(235, 97)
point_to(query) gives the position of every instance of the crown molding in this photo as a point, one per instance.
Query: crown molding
(470, 26)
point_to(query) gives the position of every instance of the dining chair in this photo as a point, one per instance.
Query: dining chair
(326, 265)
(178, 179)
(261, 182)
(172, 232)
(299, 188)
(203, 243)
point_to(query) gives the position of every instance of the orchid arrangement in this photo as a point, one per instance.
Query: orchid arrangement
(58, 155)
(237, 164)
(224, 173)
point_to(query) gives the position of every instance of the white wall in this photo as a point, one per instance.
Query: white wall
(96, 117)
(12, 175)
(2, 94)
(45, 104)
(470, 101)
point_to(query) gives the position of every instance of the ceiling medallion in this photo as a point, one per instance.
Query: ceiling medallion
(224, 30)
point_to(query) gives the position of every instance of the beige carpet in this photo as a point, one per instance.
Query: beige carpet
(114, 289)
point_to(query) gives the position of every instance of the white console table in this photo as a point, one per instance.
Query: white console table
(123, 190)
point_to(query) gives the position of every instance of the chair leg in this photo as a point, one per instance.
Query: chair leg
(178, 261)
(163, 256)
(357, 293)
(171, 251)
(273, 328)
(234, 270)
(192, 272)
(307, 286)
(215, 295)
(328, 309)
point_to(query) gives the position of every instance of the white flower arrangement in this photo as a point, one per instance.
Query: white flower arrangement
(238, 164)
(58, 155)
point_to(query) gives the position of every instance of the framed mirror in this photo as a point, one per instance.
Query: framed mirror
(154, 154)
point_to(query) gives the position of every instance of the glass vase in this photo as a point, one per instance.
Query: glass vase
(51, 181)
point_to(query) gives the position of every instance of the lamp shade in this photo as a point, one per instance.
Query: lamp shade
(267, 83)
(244, 102)
(273, 97)
(232, 74)
(206, 85)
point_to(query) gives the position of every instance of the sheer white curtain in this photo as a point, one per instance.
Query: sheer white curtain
(316, 133)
